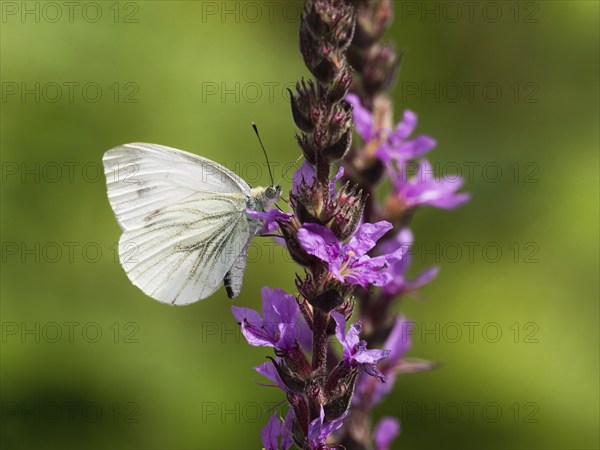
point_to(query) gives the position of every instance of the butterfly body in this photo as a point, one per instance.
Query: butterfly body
(184, 218)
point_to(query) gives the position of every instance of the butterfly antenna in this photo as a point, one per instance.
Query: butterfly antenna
(287, 169)
(264, 151)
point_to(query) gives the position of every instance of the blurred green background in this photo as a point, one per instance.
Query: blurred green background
(87, 361)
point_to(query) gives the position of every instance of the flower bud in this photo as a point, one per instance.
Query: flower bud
(338, 149)
(341, 118)
(291, 380)
(372, 19)
(340, 86)
(294, 248)
(349, 209)
(326, 30)
(328, 300)
(305, 108)
(341, 385)
(300, 405)
(310, 202)
(307, 149)
(381, 69)
(372, 173)
(331, 19)
(320, 56)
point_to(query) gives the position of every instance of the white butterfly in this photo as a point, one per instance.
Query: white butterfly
(184, 220)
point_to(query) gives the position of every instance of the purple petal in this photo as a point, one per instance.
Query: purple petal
(385, 432)
(319, 430)
(242, 314)
(304, 334)
(450, 202)
(385, 152)
(314, 430)
(281, 314)
(405, 128)
(414, 148)
(271, 432)
(371, 271)
(352, 337)
(425, 189)
(305, 174)
(335, 268)
(372, 370)
(340, 328)
(363, 119)
(254, 328)
(287, 439)
(257, 337)
(367, 235)
(279, 306)
(269, 371)
(425, 172)
(400, 285)
(319, 241)
(270, 218)
(424, 277)
(402, 241)
(365, 356)
(335, 424)
(399, 339)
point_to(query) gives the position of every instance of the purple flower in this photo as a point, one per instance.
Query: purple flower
(319, 430)
(277, 435)
(385, 432)
(278, 328)
(399, 284)
(355, 350)
(423, 188)
(349, 262)
(391, 144)
(270, 218)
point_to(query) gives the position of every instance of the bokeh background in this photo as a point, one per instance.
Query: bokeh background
(87, 361)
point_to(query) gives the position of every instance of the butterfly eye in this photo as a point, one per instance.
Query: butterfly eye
(270, 192)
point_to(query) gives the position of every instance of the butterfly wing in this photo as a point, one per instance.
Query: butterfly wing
(183, 218)
(183, 253)
(144, 178)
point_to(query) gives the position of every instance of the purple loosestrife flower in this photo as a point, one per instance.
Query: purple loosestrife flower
(277, 435)
(391, 144)
(385, 432)
(399, 283)
(319, 430)
(355, 350)
(278, 328)
(349, 263)
(423, 188)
